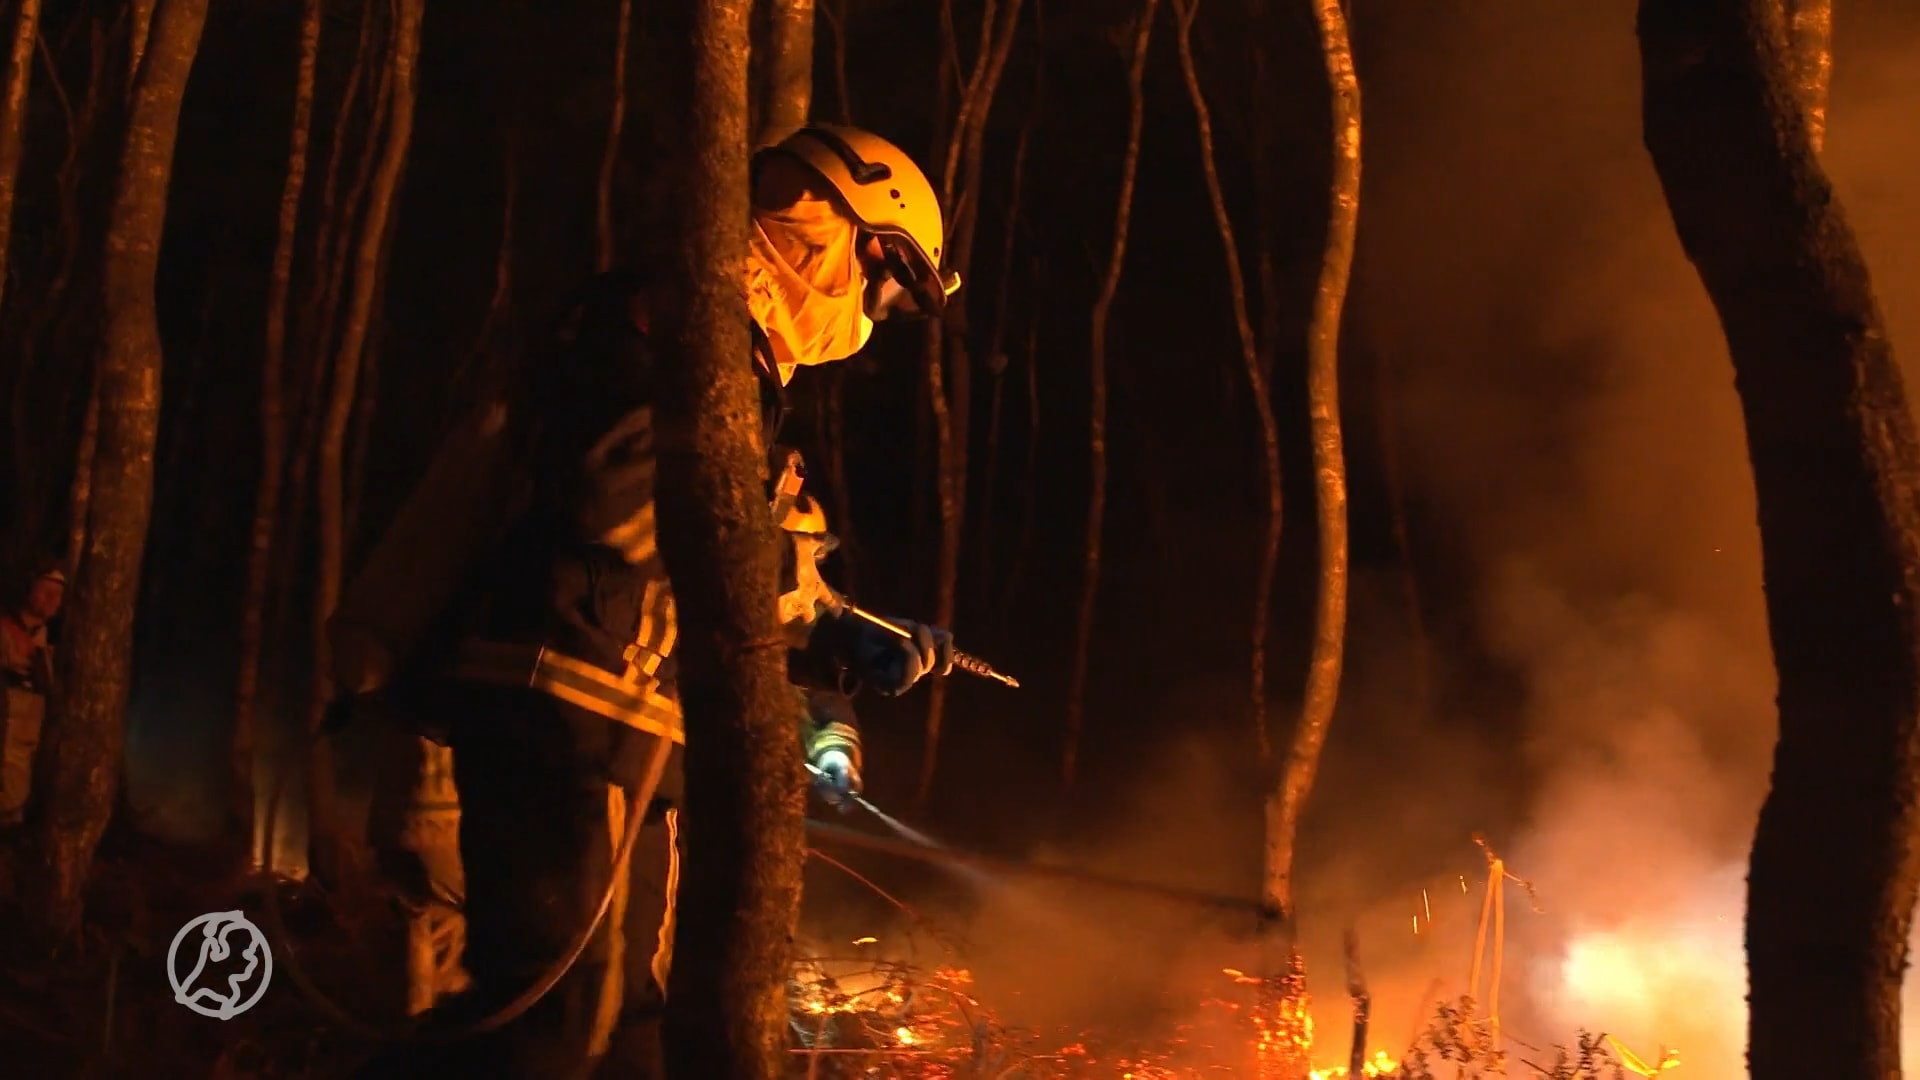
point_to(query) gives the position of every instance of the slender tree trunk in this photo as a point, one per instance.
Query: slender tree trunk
(1420, 643)
(139, 36)
(403, 54)
(786, 79)
(948, 354)
(1810, 38)
(86, 746)
(1836, 465)
(1097, 360)
(1029, 467)
(740, 897)
(835, 13)
(1294, 782)
(997, 344)
(13, 118)
(80, 491)
(836, 439)
(1257, 375)
(319, 307)
(273, 446)
(610, 157)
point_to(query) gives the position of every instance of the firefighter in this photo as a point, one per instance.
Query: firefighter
(519, 611)
(26, 665)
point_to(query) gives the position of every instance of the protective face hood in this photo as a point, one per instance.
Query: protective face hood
(805, 284)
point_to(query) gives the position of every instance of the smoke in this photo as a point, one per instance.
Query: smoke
(1573, 421)
(1568, 418)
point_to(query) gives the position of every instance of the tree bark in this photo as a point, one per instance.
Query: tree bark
(80, 491)
(1810, 36)
(1097, 363)
(1294, 782)
(404, 52)
(1257, 375)
(610, 157)
(273, 446)
(13, 119)
(1836, 466)
(87, 745)
(740, 893)
(786, 79)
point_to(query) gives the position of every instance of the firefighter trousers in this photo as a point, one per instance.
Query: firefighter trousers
(20, 724)
(540, 826)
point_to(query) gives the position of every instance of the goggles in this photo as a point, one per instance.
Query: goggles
(901, 282)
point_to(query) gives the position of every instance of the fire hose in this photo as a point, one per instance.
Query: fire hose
(638, 801)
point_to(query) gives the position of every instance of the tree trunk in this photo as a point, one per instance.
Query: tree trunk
(836, 440)
(1003, 289)
(948, 361)
(1294, 782)
(80, 491)
(1029, 468)
(1836, 468)
(403, 54)
(835, 13)
(273, 446)
(785, 80)
(13, 119)
(740, 896)
(87, 745)
(1097, 362)
(1419, 642)
(1810, 38)
(139, 36)
(1257, 376)
(610, 157)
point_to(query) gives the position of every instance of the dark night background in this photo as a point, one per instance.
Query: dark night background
(1568, 449)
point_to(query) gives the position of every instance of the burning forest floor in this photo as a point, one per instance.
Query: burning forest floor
(104, 1008)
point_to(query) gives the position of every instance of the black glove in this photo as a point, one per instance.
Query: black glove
(891, 664)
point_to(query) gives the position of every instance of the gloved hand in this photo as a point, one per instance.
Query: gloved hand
(891, 664)
(838, 780)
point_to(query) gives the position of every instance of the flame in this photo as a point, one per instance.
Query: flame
(1380, 1064)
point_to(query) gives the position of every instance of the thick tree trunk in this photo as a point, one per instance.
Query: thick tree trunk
(86, 747)
(740, 893)
(1836, 467)
(273, 447)
(403, 55)
(1097, 363)
(1294, 782)
(13, 119)
(1257, 372)
(784, 82)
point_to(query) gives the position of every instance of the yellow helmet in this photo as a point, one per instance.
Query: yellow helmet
(887, 195)
(804, 517)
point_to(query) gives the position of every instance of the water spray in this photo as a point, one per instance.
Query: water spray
(987, 868)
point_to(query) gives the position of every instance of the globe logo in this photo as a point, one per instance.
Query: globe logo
(197, 965)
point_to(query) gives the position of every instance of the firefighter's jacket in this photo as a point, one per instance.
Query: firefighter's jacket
(561, 587)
